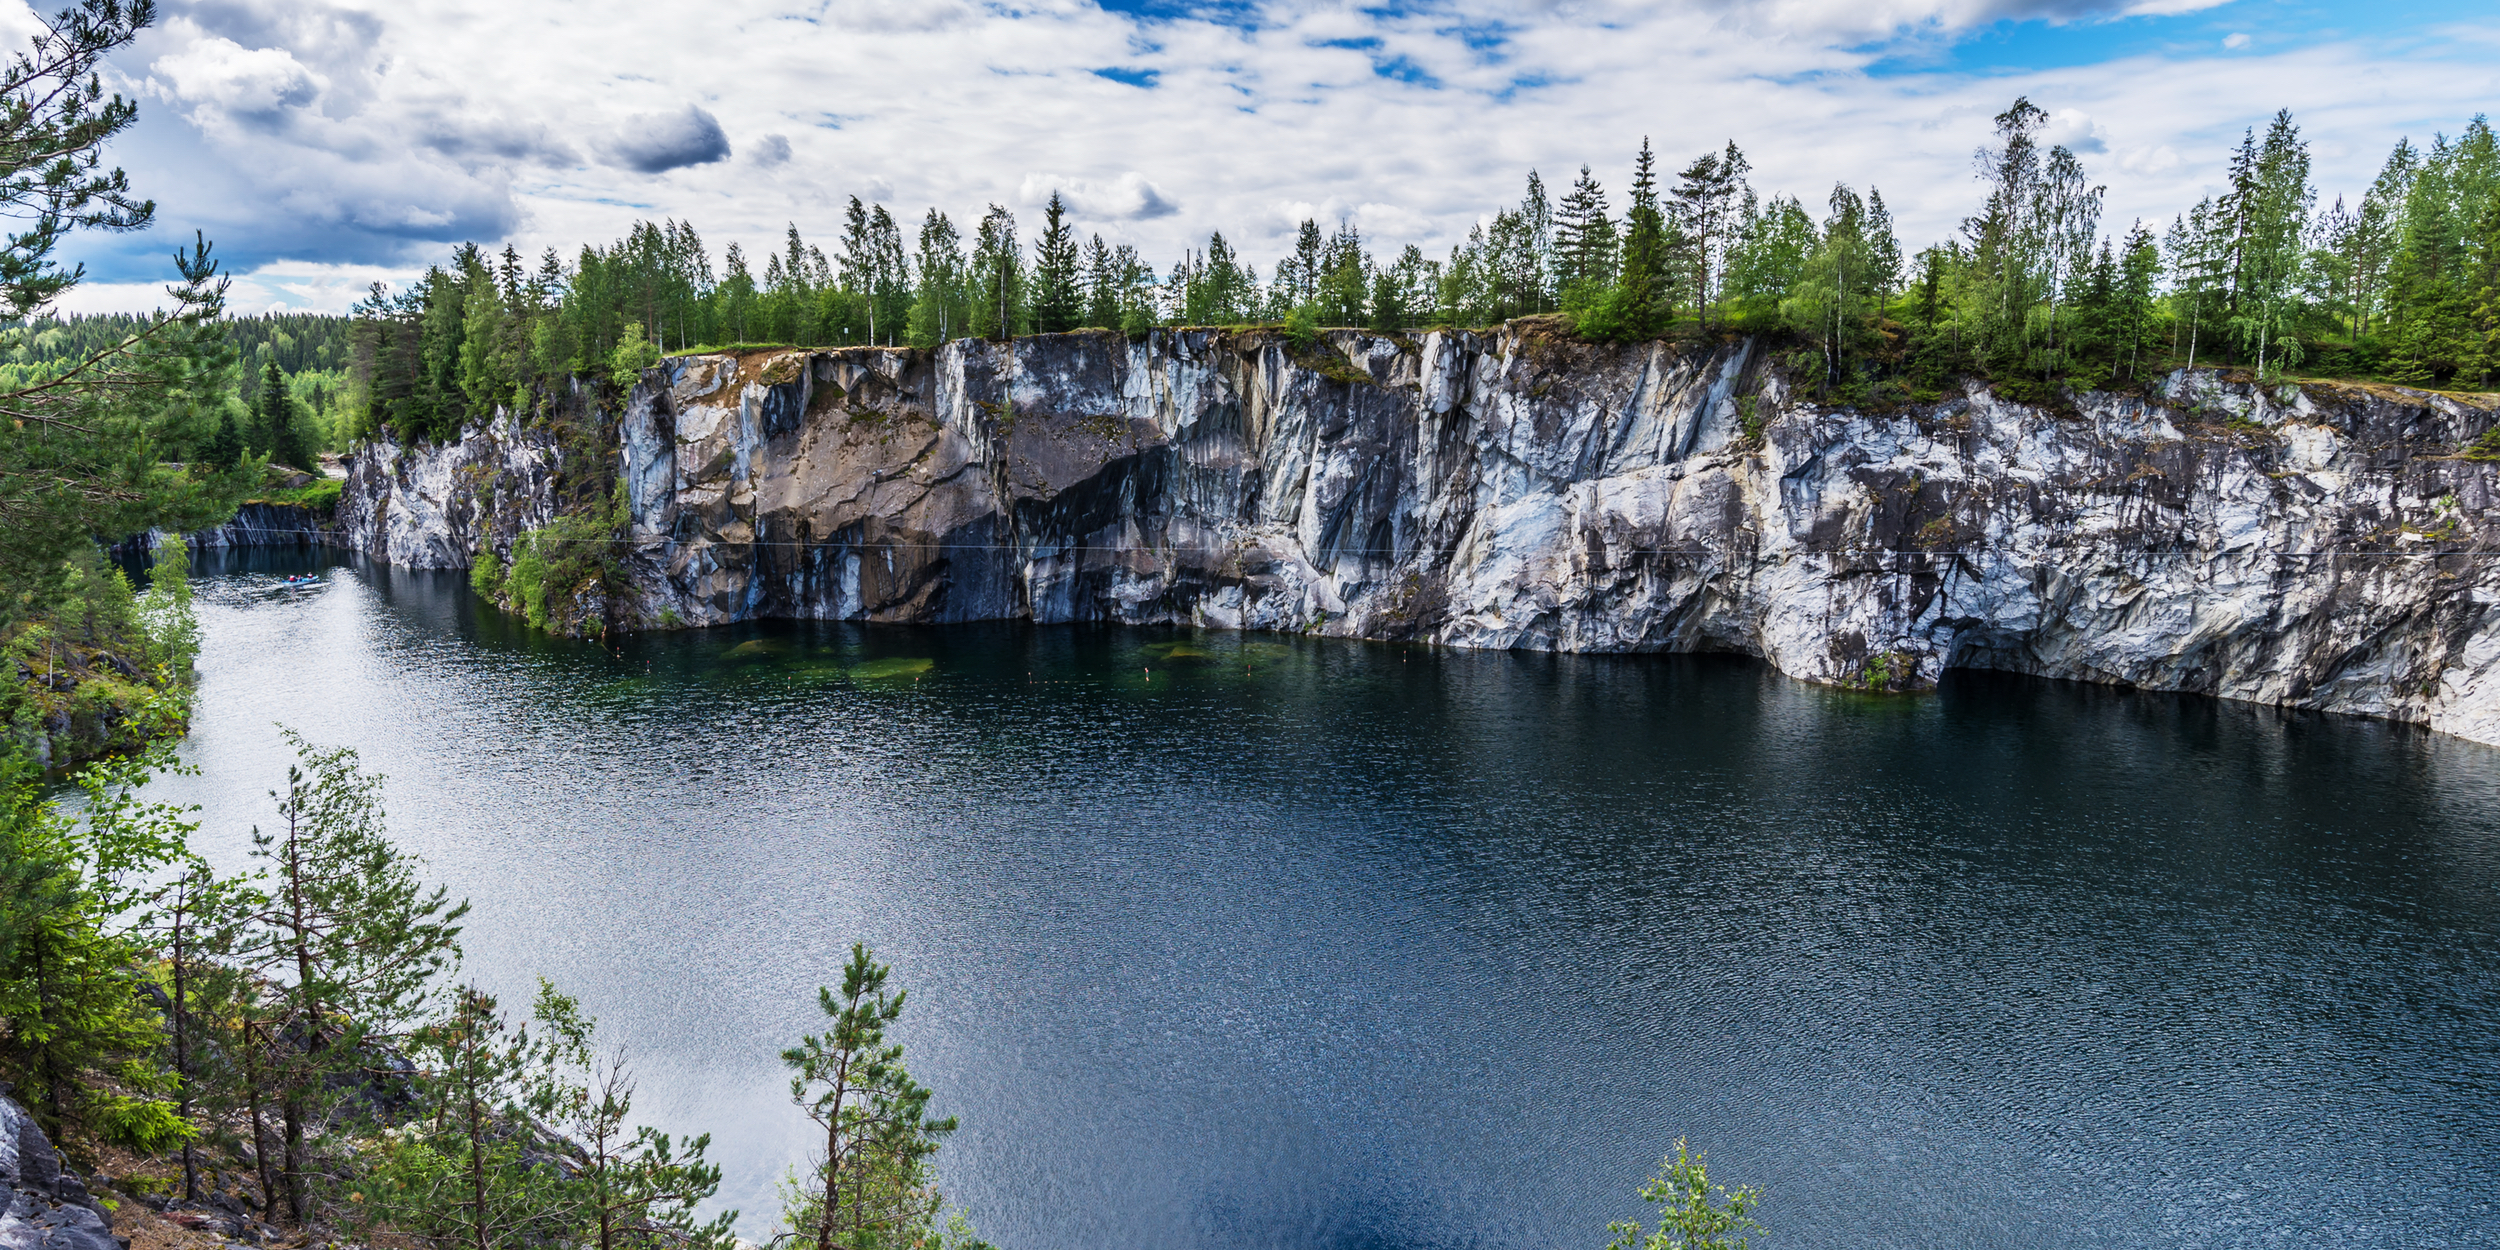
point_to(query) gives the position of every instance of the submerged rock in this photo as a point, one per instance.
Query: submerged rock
(2318, 545)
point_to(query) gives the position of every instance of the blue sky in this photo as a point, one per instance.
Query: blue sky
(327, 144)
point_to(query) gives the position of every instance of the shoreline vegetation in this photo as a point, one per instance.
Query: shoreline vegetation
(290, 1053)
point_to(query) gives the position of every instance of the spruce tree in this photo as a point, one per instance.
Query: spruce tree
(1102, 286)
(1646, 302)
(289, 441)
(1584, 236)
(225, 447)
(1058, 299)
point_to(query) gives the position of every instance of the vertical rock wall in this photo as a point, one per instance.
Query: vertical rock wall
(2315, 546)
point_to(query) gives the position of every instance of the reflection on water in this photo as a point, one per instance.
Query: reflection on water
(1217, 940)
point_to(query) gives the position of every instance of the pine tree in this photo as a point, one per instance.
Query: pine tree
(1706, 196)
(464, 1177)
(353, 938)
(870, 1187)
(631, 1187)
(196, 922)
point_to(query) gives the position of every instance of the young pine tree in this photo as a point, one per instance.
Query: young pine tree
(462, 1174)
(353, 939)
(630, 1187)
(871, 1186)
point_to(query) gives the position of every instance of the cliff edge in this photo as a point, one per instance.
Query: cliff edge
(2309, 545)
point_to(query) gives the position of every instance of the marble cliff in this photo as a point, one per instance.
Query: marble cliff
(2317, 545)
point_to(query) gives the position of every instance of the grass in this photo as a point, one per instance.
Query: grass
(321, 495)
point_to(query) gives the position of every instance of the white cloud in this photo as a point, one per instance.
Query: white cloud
(1129, 197)
(2075, 130)
(2235, 41)
(215, 79)
(363, 133)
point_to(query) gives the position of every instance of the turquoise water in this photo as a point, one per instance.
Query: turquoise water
(1230, 941)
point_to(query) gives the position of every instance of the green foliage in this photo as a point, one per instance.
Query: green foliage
(321, 494)
(2033, 292)
(348, 933)
(80, 1045)
(148, 1126)
(1302, 326)
(633, 354)
(1693, 1214)
(486, 573)
(630, 1186)
(87, 672)
(553, 570)
(85, 452)
(460, 1173)
(871, 1185)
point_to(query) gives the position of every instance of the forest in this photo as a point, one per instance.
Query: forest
(2035, 291)
(280, 393)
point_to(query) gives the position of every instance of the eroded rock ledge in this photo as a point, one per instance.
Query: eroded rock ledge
(2318, 546)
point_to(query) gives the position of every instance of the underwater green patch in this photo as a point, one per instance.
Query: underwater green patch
(896, 668)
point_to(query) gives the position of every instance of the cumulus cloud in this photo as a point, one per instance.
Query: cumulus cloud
(218, 81)
(772, 150)
(1129, 197)
(2075, 130)
(654, 143)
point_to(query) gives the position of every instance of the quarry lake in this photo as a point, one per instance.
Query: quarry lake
(1221, 940)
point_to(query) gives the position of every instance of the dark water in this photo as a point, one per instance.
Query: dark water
(1312, 944)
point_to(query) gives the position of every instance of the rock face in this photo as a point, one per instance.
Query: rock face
(2317, 546)
(427, 507)
(49, 1208)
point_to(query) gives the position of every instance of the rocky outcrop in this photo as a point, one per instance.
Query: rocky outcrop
(2319, 546)
(430, 506)
(49, 1207)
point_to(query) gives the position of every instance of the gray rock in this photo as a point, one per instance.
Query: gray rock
(2314, 546)
(48, 1206)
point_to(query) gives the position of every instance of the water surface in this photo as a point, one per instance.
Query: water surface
(1258, 941)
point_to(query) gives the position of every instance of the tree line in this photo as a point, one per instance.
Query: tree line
(298, 1033)
(2034, 289)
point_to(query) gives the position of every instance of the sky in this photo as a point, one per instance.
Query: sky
(323, 145)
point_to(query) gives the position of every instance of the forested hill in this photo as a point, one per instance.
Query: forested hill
(298, 342)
